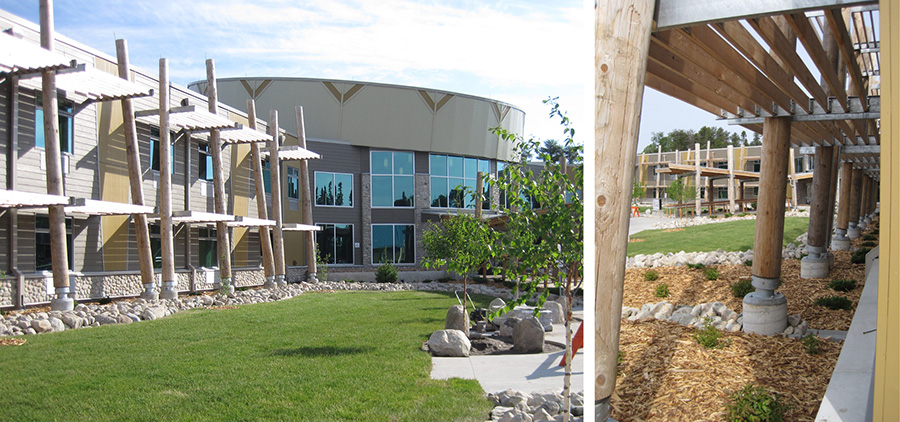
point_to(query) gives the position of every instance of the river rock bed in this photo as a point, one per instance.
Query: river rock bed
(517, 406)
(699, 221)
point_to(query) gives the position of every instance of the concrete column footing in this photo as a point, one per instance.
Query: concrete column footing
(62, 302)
(853, 231)
(150, 292)
(168, 291)
(270, 282)
(814, 267)
(279, 280)
(862, 224)
(840, 243)
(311, 278)
(765, 315)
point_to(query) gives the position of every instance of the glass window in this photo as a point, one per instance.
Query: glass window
(204, 164)
(450, 182)
(154, 152)
(208, 247)
(393, 243)
(722, 193)
(334, 189)
(43, 260)
(754, 165)
(267, 176)
(393, 183)
(66, 113)
(335, 243)
(155, 245)
(293, 183)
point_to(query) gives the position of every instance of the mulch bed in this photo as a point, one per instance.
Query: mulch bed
(665, 375)
(15, 341)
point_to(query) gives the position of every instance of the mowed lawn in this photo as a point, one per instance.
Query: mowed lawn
(318, 357)
(730, 236)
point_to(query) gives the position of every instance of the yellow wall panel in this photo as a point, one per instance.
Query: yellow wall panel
(114, 185)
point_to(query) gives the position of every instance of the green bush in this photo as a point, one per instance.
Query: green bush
(728, 215)
(842, 285)
(859, 257)
(748, 262)
(835, 303)
(755, 404)
(651, 275)
(869, 244)
(697, 266)
(870, 237)
(709, 337)
(811, 343)
(742, 288)
(711, 273)
(386, 273)
(662, 290)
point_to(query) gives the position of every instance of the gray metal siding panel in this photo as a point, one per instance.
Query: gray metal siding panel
(394, 216)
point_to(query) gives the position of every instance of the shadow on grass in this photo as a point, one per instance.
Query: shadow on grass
(321, 351)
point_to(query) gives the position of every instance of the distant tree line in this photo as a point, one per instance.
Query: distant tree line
(681, 139)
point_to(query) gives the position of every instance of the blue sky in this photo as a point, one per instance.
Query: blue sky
(517, 52)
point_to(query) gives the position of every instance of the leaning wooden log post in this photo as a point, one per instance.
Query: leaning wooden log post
(622, 41)
(816, 265)
(731, 206)
(167, 241)
(855, 196)
(832, 194)
(132, 152)
(479, 194)
(709, 195)
(840, 241)
(265, 240)
(697, 202)
(793, 172)
(275, 183)
(53, 155)
(765, 310)
(658, 161)
(863, 202)
(223, 245)
(306, 202)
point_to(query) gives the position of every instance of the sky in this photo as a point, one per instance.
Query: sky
(516, 52)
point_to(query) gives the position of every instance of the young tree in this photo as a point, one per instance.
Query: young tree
(462, 243)
(545, 241)
(637, 192)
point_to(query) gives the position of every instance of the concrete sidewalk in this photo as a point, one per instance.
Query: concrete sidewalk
(639, 224)
(528, 373)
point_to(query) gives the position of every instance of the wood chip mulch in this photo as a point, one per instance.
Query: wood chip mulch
(12, 341)
(223, 307)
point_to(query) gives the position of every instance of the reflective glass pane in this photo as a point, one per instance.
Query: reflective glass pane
(382, 191)
(343, 190)
(484, 166)
(439, 192)
(457, 193)
(471, 168)
(403, 163)
(381, 162)
(403, 191)
(455, 166)
(404, 236)
(382, 243)
(325, 242)
(343, 244)
(324, 189)
(39, 127)
(438, 165)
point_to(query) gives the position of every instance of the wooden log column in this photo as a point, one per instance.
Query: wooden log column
(832, 195)
(863, 202)
(132, 152)
(840, 241)
(731, 204)
(855, 196)
(658, 161)
(697, 201)
(765, 310)
(816, 265)
(53, 155)
(166, 234)
(306, 203)
(793, 171)
(622, 42)
(223, 244)
(265, 239)
(275, 183)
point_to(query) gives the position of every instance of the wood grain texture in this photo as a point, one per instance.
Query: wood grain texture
(622, 40)
(165, 177)
(844, 201)
(821, 187)
(306, 197)
(855, 194)
(223, 245)
(770, 203)
(261, 207)
(275, 183)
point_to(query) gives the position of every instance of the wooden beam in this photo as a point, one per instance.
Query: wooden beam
(839, 29)
(674, 91)
(306, 200)
(132, 152)
(810, 40)
(693, 87)
(622, 41)
(223, 244)
(265, 238)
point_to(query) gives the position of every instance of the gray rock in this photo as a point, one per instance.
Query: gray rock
(498, 412)
(153, 312)
(133, 317)
(56, 324)
(509, 326)
(541, 415)
(528, 336)
(515, 415)
(104, 319)
(72, 320)
(683, 319)
(29, 330)
(452, 343)
(457, 319)
(793, 320)
(557, 312)
(496, 305)
(551, 407)
(124, 319)
(41, 325)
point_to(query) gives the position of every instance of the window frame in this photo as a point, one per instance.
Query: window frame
(393, 176)
(393, 244)
(333, 189)
(296, 180)
(468, 182)
(155, 145)
(333, 254)
(70, 241)
(204, 164)
(65, 114)
(212, 239)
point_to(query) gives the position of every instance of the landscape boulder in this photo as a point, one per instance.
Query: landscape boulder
(457, 319)
(450, 343)
(528, 336)
(557, 315)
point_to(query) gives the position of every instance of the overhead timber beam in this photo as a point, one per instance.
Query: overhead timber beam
(684, 13)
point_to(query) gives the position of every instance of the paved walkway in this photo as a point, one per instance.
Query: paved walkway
(528, 373)
(639, 224)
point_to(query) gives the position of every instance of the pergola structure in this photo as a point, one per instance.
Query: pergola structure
(742, 61)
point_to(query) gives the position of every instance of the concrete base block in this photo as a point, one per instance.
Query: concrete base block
(765, 315)
(817, 267)
(862, 224)
(311, 278)
(270, 282)
(62, 304)
(830, 257)
(168, 290)
(853, 232)
(150, 292)
(840, 243)
(279, 281)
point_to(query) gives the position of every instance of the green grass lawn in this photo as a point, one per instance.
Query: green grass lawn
(318, 357)
(730, 236)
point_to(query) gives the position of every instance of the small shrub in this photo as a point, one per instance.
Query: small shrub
(835, 303)
(859, 257)
(386, 273)
(748, 262)
(662, 290)
(842, 285)
(742, 288)
(753, 403)
(427, 280)
(697, 266)
(869, 244)
(711, 273)
(709, 336)
(449, 279)
(811, 343)
(104, 300)
(728, 215)
(869, 237)
(651, 275)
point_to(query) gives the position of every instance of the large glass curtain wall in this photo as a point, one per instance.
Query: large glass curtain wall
(452, 178)
(393, 182)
